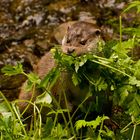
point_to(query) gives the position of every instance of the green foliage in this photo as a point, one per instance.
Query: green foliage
(132, 31)
(134, 106)
(59, 132)
(75, 79)
(33, 80)
(7, 129)
(116, 76)
(93, 124)
(12, 70)
(112, 77)
(133, 4)
(10, 127)
(54, 133)
(50, 79)
(125, 47)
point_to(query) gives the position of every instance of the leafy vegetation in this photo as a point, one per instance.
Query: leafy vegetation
(113, 80)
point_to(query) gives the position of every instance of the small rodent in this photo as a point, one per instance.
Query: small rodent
(81, 38)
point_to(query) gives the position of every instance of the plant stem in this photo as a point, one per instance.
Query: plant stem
(33, 93)
(70, 118)
(115, 69)
(124, 129)
(38, 111)
(22, 126)
(57, 104)
(13, 113)
(133, 134)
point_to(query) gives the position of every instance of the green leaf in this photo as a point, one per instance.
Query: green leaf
(59, 132)
(79, 124)
(101, 84)
(56, 53)
(29, 86)
(63, 60)
(124, 47)
(80, 61)
(132, 5)
(58, 111)
(94, 123)
(137, 69)
(32, 82)
(12, 70)
(99, 137)
(132, 31)
(44, 98)
(75, 79)
(48, 128)
(50, 79)
(134, 106)
(107, 132)
(134, 81)
(3, 107)
(33, 78)
(104, 118)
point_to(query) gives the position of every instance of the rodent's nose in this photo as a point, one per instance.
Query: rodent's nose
(70, 50)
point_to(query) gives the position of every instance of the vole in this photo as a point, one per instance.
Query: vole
(81, 38)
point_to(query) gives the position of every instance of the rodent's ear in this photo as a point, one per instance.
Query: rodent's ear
(98, 32)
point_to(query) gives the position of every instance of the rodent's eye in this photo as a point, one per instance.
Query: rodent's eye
(68, 40)
(83, 42)
(98, 32)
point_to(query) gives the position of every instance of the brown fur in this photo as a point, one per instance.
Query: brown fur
(81, 38)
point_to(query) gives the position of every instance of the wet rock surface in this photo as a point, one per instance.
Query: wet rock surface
(29, 28)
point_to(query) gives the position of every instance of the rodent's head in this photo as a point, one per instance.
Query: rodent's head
(81, 38)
